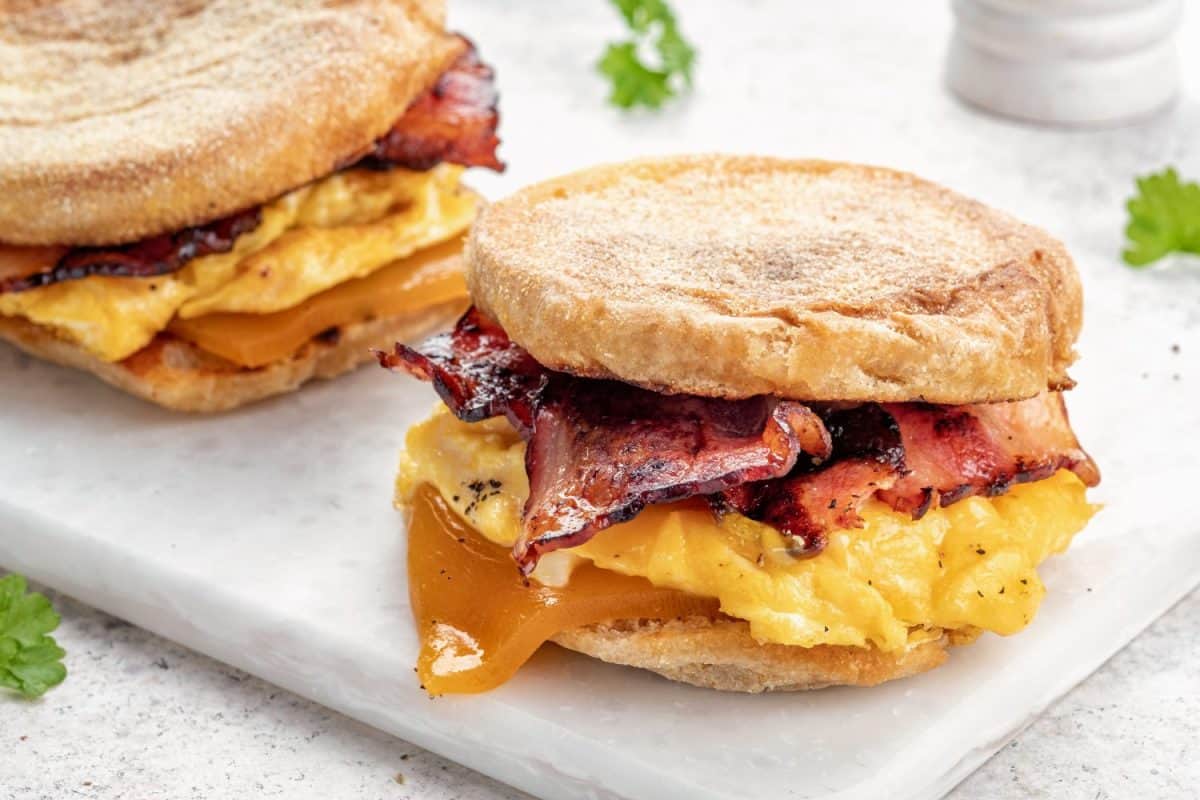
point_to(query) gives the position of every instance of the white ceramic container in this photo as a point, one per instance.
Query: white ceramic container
(1066, 62)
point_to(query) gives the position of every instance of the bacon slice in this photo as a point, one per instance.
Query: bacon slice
(455, 121)
(157, 255)
(913, 456)
(477, 371)
(600, 451)
(954, 452)
(867, 456)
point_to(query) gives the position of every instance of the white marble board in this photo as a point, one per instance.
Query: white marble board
(266, 538)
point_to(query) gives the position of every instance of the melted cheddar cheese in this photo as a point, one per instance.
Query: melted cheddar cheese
(343, 227)
(971, 565)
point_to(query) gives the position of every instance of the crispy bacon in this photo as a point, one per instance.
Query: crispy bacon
(477, 371)
(955, 452)
(157, 255)
(455, 121)
(600, 451)
(913, 456)
(867, 456)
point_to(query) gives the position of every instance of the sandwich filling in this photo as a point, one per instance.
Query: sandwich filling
(387, 211)
(874, 525)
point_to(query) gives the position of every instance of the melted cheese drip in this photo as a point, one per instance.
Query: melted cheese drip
(342, 227)
(971, 565)
(479, 621)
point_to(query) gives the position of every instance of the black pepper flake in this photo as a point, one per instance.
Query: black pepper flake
(481, 491)
(1001, 590)
(827, 629)
(979, 593)
(833, 503)
(981, 551)
(1174, 348)
(1025, 581)
(940, 564)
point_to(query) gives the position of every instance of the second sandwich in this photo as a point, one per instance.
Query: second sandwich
(207, 205)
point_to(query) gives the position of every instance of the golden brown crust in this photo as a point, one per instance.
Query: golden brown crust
(735, 276)
(120, 120)
(180, 376)
(720, 654)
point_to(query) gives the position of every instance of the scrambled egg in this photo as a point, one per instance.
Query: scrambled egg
(342, 227)
(968, 566)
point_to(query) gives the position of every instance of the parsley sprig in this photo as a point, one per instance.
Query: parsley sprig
(1164, 217)
(633, 81)
(30, 659)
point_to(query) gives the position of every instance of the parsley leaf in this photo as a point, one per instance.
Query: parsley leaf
(30, 659)
(633, 81)
(1164, 217)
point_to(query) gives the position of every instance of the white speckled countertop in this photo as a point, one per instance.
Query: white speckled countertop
(143, 718)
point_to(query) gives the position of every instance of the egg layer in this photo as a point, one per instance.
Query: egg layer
(971, 565)
(342, 227)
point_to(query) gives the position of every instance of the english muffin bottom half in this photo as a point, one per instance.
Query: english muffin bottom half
(205, 205)
(752, 424)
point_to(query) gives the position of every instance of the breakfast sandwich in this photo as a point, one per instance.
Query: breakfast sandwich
(207, 203)
(751, 424)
